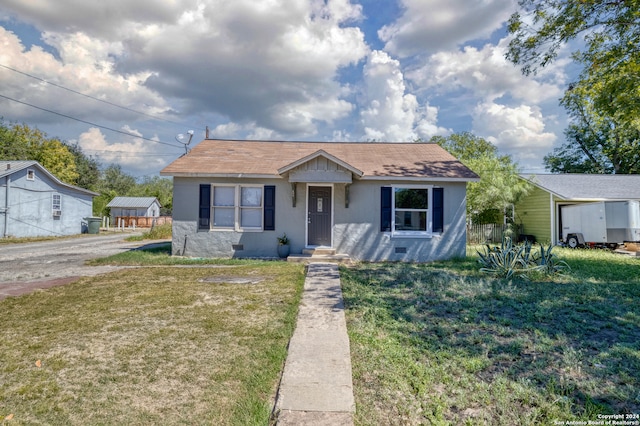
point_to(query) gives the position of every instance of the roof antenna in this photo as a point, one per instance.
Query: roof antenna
(180, 138)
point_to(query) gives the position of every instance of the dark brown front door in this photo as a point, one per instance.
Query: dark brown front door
(319, 220)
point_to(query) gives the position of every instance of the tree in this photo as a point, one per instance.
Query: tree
(611, 34)
(21, 142)
(598, 140)
(87, 167)
(611, 30)
(500, 185)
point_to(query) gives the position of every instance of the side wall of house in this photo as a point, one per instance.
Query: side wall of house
(534, 212)
(30, 210)
(356, 228)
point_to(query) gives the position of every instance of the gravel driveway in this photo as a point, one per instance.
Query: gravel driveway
(28, 266)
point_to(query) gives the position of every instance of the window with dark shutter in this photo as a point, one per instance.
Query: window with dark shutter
(204, 213)
(269, 208)
(438, 209)
(385, 209)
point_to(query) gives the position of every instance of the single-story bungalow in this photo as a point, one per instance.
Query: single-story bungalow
(134, 207)
(34, 203)
(371, 201)
(540, 211)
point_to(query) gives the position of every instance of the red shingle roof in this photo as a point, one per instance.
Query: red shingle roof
(375, 159)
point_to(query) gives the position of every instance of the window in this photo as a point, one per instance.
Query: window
(251, 207)
(224, 206)
(56, 204)
(31, 174)
(236, 207)
(413, 211)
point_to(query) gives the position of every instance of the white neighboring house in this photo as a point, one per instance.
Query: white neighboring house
(134, 207)
(34, 203)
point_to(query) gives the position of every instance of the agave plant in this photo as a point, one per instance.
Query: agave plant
(548, 263)
(508, 260)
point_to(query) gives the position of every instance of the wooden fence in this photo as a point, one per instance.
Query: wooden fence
(491, 232)
(139, 221)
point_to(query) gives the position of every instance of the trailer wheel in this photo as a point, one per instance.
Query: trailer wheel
(573, 242)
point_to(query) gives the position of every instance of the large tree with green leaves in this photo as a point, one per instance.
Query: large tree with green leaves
(500, 185)
(610, 30)
(21, 142)
(596, 140)
(604, 101)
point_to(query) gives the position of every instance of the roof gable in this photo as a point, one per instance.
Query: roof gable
(588, 187)
(315, 155)
(7, 168)
(368, 160)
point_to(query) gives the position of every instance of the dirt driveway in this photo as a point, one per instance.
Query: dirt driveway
(25, 267)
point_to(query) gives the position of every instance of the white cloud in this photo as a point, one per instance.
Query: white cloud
(518, 131)
(388, 112)
(274, 63)
(430, 25)
(130, 152)
(85, 67)
(487, 74)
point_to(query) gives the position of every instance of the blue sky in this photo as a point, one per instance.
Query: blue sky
(333, 70)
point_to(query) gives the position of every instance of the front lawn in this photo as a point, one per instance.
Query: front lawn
(442, 344)
(159, 345)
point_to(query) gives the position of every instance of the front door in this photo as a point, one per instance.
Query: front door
(319, 216)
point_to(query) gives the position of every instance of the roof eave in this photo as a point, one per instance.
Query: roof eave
(221, 175)
(422, 178)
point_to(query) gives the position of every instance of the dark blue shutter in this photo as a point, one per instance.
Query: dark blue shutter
(385, 209)
(438, 209)
(270, 208)
(204, 213)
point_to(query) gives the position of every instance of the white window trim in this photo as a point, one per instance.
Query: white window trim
(32, 173)
(237, 215)
(59, 204)
(412, 234)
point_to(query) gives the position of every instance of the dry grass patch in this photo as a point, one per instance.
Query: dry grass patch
(443, 344)
(149, 346)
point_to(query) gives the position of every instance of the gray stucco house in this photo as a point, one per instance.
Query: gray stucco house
(371, 201)
(33, 202)
(134, 207)
(540, 211)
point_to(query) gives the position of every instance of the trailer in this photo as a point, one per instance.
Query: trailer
(604, 223)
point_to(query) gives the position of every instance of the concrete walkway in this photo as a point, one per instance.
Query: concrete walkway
(316, 387)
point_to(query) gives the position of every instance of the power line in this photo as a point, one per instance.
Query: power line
(92, 97)
(90, 123)
(123, 153)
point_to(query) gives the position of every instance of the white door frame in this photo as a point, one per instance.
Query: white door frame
(306, 212)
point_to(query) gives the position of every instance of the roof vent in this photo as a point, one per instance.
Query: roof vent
(8, 166)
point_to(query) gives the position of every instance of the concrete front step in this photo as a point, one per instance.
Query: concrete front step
(328, 258)
(319, 251)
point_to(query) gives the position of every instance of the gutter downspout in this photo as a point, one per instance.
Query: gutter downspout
(6, 206)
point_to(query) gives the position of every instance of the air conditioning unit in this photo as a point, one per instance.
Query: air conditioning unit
(57, 212)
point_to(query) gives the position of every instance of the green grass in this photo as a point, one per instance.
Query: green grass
(160, 254)
(443, 344)
(159, 232)
(152, 345)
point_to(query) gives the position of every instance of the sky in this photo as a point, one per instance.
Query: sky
(124, 79)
